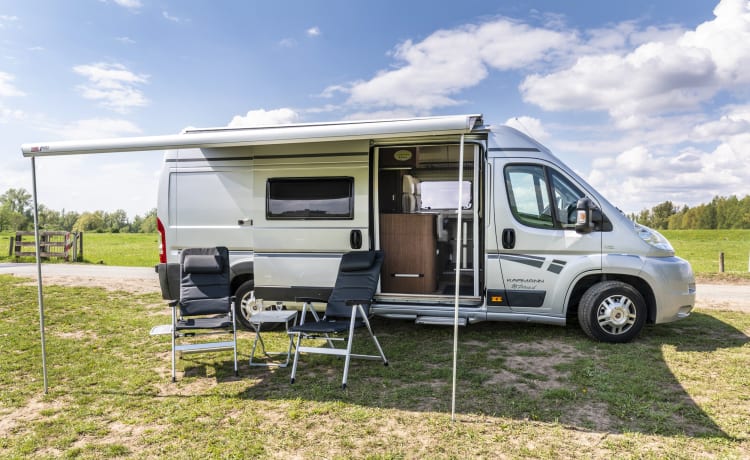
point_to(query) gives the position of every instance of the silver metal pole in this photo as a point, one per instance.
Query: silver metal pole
(459, 236)
(40, 296)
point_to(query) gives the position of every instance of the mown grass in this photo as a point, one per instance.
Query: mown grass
(679, 391)
(702, 248)
(120, 249)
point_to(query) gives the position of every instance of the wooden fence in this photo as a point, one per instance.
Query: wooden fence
(65, 245)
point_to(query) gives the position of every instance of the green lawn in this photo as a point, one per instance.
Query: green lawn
(123, 249)
(524, 391)
(702, 248)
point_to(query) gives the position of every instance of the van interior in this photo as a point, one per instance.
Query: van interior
(418, 226)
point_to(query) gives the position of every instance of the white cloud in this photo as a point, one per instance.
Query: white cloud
(6, 20)
(288, 43)
(113, 85)
(107, 182)
(7, 89)
(169, 17)
(639, 178)
(96, 128)
(262, 117)
(130, 4)
(530, 126)
(435, 70)
(313, 31)
(7, 115)
(674, 71)
(125, 40)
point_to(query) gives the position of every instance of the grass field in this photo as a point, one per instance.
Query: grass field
(700, 247)
(679, 391)
(123, 249)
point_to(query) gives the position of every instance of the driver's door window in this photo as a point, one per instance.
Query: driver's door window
(541, 197)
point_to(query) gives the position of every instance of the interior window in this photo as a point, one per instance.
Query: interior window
(310, 198)
(444, 194)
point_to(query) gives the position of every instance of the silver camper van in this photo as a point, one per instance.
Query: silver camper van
(462, 210)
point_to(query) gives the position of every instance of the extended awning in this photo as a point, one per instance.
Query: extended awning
(456, 125)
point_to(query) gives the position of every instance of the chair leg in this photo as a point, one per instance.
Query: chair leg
(174, 339)
(374, 337)
(234, 338)
(349, 342)
(296, 356)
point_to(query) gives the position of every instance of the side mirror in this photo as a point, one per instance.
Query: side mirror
(584, 209)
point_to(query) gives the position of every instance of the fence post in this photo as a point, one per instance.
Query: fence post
(13, 240)
(74, 246)
(80, 246)
(721, 262)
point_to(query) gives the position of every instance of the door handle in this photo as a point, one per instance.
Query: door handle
(355, 239)
(509, 238)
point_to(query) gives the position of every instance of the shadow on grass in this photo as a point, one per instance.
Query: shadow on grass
(527, 372)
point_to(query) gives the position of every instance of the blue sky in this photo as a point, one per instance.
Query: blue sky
(649, 101)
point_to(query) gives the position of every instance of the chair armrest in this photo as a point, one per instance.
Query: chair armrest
(309, 299)
(353, 302)
(174, 303)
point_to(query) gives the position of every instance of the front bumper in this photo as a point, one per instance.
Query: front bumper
(673, 283)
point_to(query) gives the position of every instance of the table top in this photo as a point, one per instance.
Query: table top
(273, 316)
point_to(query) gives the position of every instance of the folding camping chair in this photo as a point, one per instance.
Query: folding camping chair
(205, 306)
(347, 308)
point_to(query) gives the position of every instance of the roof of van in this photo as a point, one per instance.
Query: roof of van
(264, 135)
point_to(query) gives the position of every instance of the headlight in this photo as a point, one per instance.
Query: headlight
(653, 238)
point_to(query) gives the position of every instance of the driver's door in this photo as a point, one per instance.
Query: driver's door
(539, 251)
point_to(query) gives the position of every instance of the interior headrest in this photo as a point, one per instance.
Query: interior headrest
(200, 263)
(357, 260)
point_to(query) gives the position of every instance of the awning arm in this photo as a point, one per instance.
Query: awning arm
(37, 248)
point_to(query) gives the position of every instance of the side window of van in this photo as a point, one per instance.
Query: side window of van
(566, 197)
(540, 197)
(310, 198)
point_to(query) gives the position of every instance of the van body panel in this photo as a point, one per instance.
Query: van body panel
(521, 258)
(302, 249)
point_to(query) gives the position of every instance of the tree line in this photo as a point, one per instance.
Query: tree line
(721, 213)
(17, 214)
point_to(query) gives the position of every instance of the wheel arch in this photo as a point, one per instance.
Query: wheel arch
(241, 272)
(641, 285)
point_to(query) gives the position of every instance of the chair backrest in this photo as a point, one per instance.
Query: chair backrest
(204, 281)
(409, 194)
(357, 279)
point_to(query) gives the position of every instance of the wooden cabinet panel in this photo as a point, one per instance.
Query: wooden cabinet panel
(409, 242)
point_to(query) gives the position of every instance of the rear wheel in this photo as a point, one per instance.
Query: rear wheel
(246, 305)
(612, 311)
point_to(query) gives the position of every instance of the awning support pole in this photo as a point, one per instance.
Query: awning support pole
(459, 236)
(40, 296)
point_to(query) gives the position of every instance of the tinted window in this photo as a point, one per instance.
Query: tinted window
(528, 195)
(566, 198)
(310, 198)
(529, 188)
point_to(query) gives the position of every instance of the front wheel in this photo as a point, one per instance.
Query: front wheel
(612, 311)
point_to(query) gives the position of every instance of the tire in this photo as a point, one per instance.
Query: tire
(612, 311)
(246, 305)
